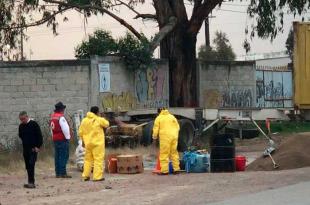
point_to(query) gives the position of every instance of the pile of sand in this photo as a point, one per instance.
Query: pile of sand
(293, 152)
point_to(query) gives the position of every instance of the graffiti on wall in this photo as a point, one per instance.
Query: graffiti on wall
(237, 98)
(260, 90)
(150, 88)
(214, 98)
(123, 102)
(273, 89)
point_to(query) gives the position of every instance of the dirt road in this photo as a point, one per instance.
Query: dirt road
(297, 194)
(144, 188)
(147, 188)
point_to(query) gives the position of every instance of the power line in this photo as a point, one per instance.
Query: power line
(235, 11)
(48, 34)
(243, 12)
(230, 4)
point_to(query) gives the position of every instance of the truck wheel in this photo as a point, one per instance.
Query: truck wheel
(186, 134)
(146, 138)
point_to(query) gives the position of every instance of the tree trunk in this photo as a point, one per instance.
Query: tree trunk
(179, 47)
(180, 50)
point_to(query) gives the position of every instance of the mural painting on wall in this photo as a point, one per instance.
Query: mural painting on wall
(150, 88)
(123, 102)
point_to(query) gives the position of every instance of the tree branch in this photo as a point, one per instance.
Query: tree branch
(138, 15)
(200, 12)
(197, 4)
(37, 23)
(128, 6)
(146, 16)
(164, 31)
(100, 9)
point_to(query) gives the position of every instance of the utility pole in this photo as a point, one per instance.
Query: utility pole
(207, 32)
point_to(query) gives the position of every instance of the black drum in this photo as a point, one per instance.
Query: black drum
(222, 157)
(223, 165)
(222, 152)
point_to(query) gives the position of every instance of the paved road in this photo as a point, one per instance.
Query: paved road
(298, 194)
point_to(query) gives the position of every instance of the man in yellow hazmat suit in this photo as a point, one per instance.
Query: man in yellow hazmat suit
(92, 134)
(166, 126)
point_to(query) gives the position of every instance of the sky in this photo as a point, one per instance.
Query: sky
(231, 18)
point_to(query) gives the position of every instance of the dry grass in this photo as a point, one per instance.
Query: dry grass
(13, 161)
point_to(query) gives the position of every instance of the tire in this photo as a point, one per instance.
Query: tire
(186, 135)
(146, 138)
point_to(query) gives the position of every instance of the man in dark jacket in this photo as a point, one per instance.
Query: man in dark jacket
(30, 134)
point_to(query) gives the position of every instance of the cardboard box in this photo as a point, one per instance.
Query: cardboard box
(129, 164)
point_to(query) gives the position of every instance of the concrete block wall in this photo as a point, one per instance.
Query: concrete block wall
(121, 84)
(227, 84)
(35, 86)
(139, 89)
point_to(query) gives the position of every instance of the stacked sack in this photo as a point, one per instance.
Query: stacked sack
(79, 156)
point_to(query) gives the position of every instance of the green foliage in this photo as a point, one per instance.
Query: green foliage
(32, 2)
(267, 15)
(290, 127)
(222, 49)
(134, 52)
(100, 43)
(207, 53)
(289, 44)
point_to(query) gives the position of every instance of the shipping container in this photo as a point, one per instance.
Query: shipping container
(302, 65)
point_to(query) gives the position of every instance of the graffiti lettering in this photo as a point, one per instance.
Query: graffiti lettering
(273, 89)
(154, 104)
(123, 102)
(238, 98)
(260, 93)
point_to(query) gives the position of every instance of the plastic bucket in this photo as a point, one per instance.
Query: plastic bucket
(170, 168)
(240, 163)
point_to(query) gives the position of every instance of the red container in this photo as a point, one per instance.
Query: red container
(108, 161)
(240, 163)
(112, 166)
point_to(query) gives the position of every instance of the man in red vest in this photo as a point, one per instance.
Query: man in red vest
(61, 137)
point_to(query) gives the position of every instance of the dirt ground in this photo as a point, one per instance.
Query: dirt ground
(147, 188)
(292, 153)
